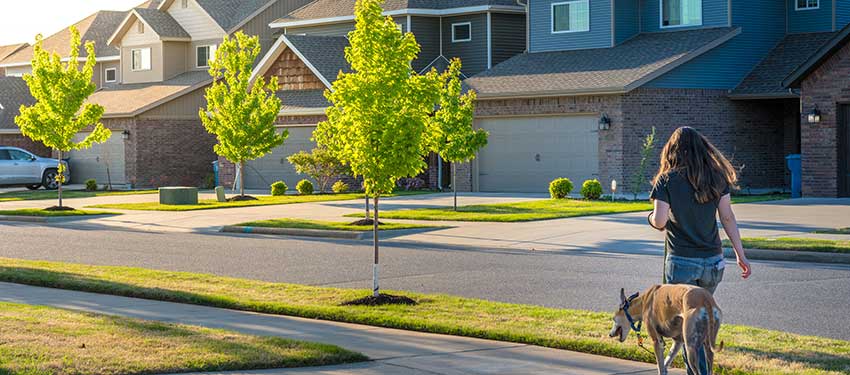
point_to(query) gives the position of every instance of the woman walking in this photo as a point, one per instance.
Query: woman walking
(691, 189)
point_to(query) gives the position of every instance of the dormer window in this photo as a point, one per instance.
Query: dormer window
(140, 27)
(204, 54)
(570, 16)
(461, 32)
(807, 4)
(140, 59)
(680, 13)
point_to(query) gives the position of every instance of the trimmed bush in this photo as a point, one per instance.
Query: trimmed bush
(340, 187)
(591, 189)
(91, 184)
(411, 183)
(560, 188)
(279, 188)
(304, 187)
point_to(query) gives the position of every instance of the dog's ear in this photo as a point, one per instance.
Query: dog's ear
(622, 295)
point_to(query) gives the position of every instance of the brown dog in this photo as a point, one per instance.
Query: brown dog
(685, 313)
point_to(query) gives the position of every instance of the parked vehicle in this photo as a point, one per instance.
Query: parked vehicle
(19, 167)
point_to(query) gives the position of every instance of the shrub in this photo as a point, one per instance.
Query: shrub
(560, 188)
(411, 183)
(91, 184)
(279, 188)
(591, 189)
(304, 187)
(340, 187)
(320, 165)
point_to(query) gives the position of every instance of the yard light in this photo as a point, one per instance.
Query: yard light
(125, 134)
(613, 189)
(814, 115)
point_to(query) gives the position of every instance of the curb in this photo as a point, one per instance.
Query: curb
(339, 234)
(792, 256)
(25, 219)
(49, 219)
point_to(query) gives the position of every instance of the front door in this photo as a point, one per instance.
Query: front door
(844, 152)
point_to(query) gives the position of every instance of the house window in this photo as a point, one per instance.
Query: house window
(570, 16)
(807, 4)
(678, 13)
(140, 27)
(140, 59)
(204, 54)
(184, 4)
(110, 75)
(461, 32)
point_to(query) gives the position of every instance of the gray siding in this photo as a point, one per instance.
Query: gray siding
(334, 29)
(715, 13)
(543, 39)
(508, 37)
(626, 20)
(259, 25)
(184, 107)
(473, 54)
(427, 32)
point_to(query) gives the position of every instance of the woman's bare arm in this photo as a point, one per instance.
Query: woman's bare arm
(660, 215)
(730, 225)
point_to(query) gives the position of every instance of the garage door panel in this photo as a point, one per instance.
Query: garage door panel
(97, 161)
(261, 173)
(525, 153)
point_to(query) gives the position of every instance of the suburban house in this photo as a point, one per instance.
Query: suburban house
(6, 51)
(309, 55)
(599, 74)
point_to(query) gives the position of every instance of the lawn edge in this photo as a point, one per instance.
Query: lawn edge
(320, 233)
(793, 256)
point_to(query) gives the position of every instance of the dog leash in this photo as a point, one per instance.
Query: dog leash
(635, 327)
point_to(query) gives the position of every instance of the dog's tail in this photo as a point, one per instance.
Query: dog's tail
(714, 318)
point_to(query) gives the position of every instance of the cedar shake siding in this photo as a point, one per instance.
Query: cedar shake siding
(293, 74)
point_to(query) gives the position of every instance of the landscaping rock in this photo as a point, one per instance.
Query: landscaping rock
(178, 196)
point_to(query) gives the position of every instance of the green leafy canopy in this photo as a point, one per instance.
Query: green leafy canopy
(241, 113)
(60, 91)
(454, 137)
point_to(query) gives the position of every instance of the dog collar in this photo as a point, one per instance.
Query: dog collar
(626, 304)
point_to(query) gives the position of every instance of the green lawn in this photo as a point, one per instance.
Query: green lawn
(834, 231)
(43, 340)
(327, 225)
(67, 194)
(798, 244)
(748, 350)
(44, 213)
(759, 198)
(212, 204)
(522, 211)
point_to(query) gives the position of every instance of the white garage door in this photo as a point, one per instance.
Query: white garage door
(94, 162)
(524, 154)
(261, 173)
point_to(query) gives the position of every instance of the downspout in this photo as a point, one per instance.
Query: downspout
(524, 3)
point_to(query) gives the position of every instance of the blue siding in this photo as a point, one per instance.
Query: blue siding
(473, 54)
(812, 20)
(842, 14)
(542, 38)
(427, 33)
(762, 27)
(714, 13)
(626, 19)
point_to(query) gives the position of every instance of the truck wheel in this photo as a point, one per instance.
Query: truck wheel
(49, 179)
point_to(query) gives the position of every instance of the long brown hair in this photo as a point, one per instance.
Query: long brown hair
(693, 156)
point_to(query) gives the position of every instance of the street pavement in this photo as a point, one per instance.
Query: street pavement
(391, 351)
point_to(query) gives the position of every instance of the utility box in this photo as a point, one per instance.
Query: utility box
(178, 195)
(795, 165)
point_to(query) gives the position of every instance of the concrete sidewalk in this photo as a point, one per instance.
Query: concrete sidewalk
(392, 351)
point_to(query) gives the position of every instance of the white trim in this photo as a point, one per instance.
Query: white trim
(454, 37)
(797, 5)
(489, 40)
(408, 24)
(64, 59)
(406, 11)
(210, 54)
(302, 112)
(105, 75)
(150, 59)
(249, 18)
(10, 131)
(552, 17)
(267, 60)
(661, 16)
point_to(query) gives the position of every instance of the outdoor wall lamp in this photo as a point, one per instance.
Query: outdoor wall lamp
(814, 116)
(125, 134)
(604, 122)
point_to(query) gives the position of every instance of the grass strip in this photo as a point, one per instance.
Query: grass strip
(834, 231)
(38, 212)
(795, 244)
(748, 350)
(329, 225)
(66, 194)
(44, 340)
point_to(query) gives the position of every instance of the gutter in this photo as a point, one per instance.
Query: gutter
(66, 59)
(406, 11)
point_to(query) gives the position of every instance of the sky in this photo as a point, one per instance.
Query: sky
(21, 20)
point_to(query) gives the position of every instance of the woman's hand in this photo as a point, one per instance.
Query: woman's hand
(744, 265)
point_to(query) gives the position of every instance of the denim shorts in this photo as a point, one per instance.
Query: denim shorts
(702, 272)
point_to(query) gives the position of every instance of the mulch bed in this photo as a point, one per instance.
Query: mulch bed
(383, 299)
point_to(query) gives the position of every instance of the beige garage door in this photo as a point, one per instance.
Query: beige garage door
(94, 162)
(525, 153)
(261, 173)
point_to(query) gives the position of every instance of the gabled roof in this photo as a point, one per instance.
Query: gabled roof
(826, 50)
(158, 21)
(324, 55)
(332, 9)
(229, 14)
(96, 28)
(303, 102)
(6, 51)
(765, 81)
(13, 93)
(618, 69)
(129, 100)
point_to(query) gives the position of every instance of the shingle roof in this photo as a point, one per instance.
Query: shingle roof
(338, 8)
(300, 101)
(766, 79)
(228, 13)
(618, 69)
(97, 27)
(325, 53)
(13, 93)
(132, 99)
(162, 23)
(823, 53)
(6, 51)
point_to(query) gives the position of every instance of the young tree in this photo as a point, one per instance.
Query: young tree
(241, 113)
(60, 110)
(320, 164)
(453, 135)
(380, 112)
(639, 178)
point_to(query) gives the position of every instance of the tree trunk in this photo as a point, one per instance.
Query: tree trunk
(367, 207)
(454, 183)
(60, 177)
(242, 178)
(376, 291)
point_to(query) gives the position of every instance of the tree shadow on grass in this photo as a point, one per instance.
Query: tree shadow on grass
(810, 358)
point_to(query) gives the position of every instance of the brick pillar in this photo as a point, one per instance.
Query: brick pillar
(226, 172)
(464, 177)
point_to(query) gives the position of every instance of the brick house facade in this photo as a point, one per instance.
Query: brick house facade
(20, 141)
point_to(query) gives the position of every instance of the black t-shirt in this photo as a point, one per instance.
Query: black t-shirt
(692, 228)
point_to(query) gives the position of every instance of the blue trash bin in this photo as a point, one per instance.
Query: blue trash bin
(215, 171)
(795, 166)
